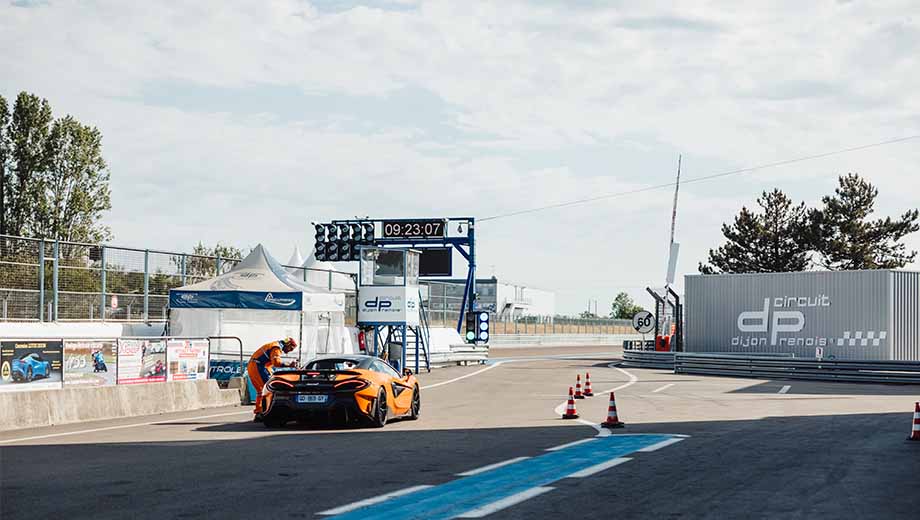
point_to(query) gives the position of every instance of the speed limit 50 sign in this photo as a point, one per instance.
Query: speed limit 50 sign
(644, 322)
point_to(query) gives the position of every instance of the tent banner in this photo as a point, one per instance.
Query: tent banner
(30, 364)
(187, 359)
(291, 301)
(89, 362)
(141, 361)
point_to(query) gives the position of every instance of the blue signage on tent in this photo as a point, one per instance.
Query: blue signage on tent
(292, 301)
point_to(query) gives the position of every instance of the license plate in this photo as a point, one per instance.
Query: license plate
(312, 398)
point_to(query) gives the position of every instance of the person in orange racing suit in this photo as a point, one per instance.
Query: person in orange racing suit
(263, 362)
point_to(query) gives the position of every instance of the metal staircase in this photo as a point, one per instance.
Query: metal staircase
(420, 358)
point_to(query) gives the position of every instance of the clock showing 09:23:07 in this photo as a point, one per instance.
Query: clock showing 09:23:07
(423, 228)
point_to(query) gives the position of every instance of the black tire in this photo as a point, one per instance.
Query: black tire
(381, 409)
(271, 421)
(416, 404)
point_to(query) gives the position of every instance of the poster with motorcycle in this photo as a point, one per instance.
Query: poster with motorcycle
(30, 364)
(187, 359)
(90, 362)
(141, 361)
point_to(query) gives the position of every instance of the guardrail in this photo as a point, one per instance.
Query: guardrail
(775, 366)
(792, 368)
(648, 359)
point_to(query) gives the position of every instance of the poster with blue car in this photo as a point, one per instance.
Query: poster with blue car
(30, 364)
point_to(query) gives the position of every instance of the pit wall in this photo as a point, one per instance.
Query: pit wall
(558, 340)
(73, 405)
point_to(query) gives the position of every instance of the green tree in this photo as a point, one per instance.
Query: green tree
(27, 135)
(55, 183)
(202, 262)
(775, 240)
(623, 307)
(845, 238)
(74, 186)
(4, 159)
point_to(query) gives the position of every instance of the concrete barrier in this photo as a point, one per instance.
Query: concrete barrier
(72, 405)
(558, 340)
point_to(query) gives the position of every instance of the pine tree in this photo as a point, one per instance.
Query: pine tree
(846, 240)
(776, 240)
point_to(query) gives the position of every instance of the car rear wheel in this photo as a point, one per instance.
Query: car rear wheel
(272, 421)
(416, 404)
(380, 410)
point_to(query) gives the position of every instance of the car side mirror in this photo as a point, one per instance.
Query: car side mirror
(407, 373)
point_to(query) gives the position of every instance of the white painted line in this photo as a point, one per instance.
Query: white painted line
(123, 426)
(569, 444)
(504, 503)
(371, 501)
(454, 380)
(597, 468)
(662, 444)
(491, 467)
(784, 389)
(665, 387)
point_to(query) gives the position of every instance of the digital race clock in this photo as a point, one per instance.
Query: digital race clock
(423, 228)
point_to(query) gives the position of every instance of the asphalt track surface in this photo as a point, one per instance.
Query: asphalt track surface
(694, 447)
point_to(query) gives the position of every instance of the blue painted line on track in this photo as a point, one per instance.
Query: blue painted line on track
(465, 494)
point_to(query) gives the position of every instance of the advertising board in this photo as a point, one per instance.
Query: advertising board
(30, 365)
(847, 314)
(141, 361)
(187, 359)
(90, 362)
(382, 304)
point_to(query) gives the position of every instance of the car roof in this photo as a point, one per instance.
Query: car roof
(352, 357)
(357, 359)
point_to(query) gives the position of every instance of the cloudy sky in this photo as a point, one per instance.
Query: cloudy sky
(241, 122)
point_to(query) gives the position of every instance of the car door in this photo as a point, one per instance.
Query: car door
(398, 389)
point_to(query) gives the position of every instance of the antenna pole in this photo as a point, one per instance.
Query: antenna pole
(667, 281)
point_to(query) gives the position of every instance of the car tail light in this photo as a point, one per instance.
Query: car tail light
(351, 384)
(279, 384)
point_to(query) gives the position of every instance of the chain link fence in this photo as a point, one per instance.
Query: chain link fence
(47, 280)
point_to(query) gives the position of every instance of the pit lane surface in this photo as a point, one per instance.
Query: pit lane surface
(753, 449)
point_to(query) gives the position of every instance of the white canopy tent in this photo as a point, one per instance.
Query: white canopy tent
(259, 301)
(295, 262)
(318, 273)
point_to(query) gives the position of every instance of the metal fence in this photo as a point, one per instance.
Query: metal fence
(443, 301)
(51, 280)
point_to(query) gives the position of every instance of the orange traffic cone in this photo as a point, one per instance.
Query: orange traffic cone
(612, 420)
(570, 412)
(588, 391)
(578, 394)
(915, 426)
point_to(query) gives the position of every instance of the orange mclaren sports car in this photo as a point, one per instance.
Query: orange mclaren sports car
(347, 388)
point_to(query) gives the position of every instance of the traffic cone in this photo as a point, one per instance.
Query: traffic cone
(570, 412)
(612, 420)
(588, 391)
(578, 394)
(915, 426)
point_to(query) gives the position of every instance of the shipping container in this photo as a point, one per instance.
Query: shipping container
(866, 315)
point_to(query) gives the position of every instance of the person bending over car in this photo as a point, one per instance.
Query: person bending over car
(263, 362)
